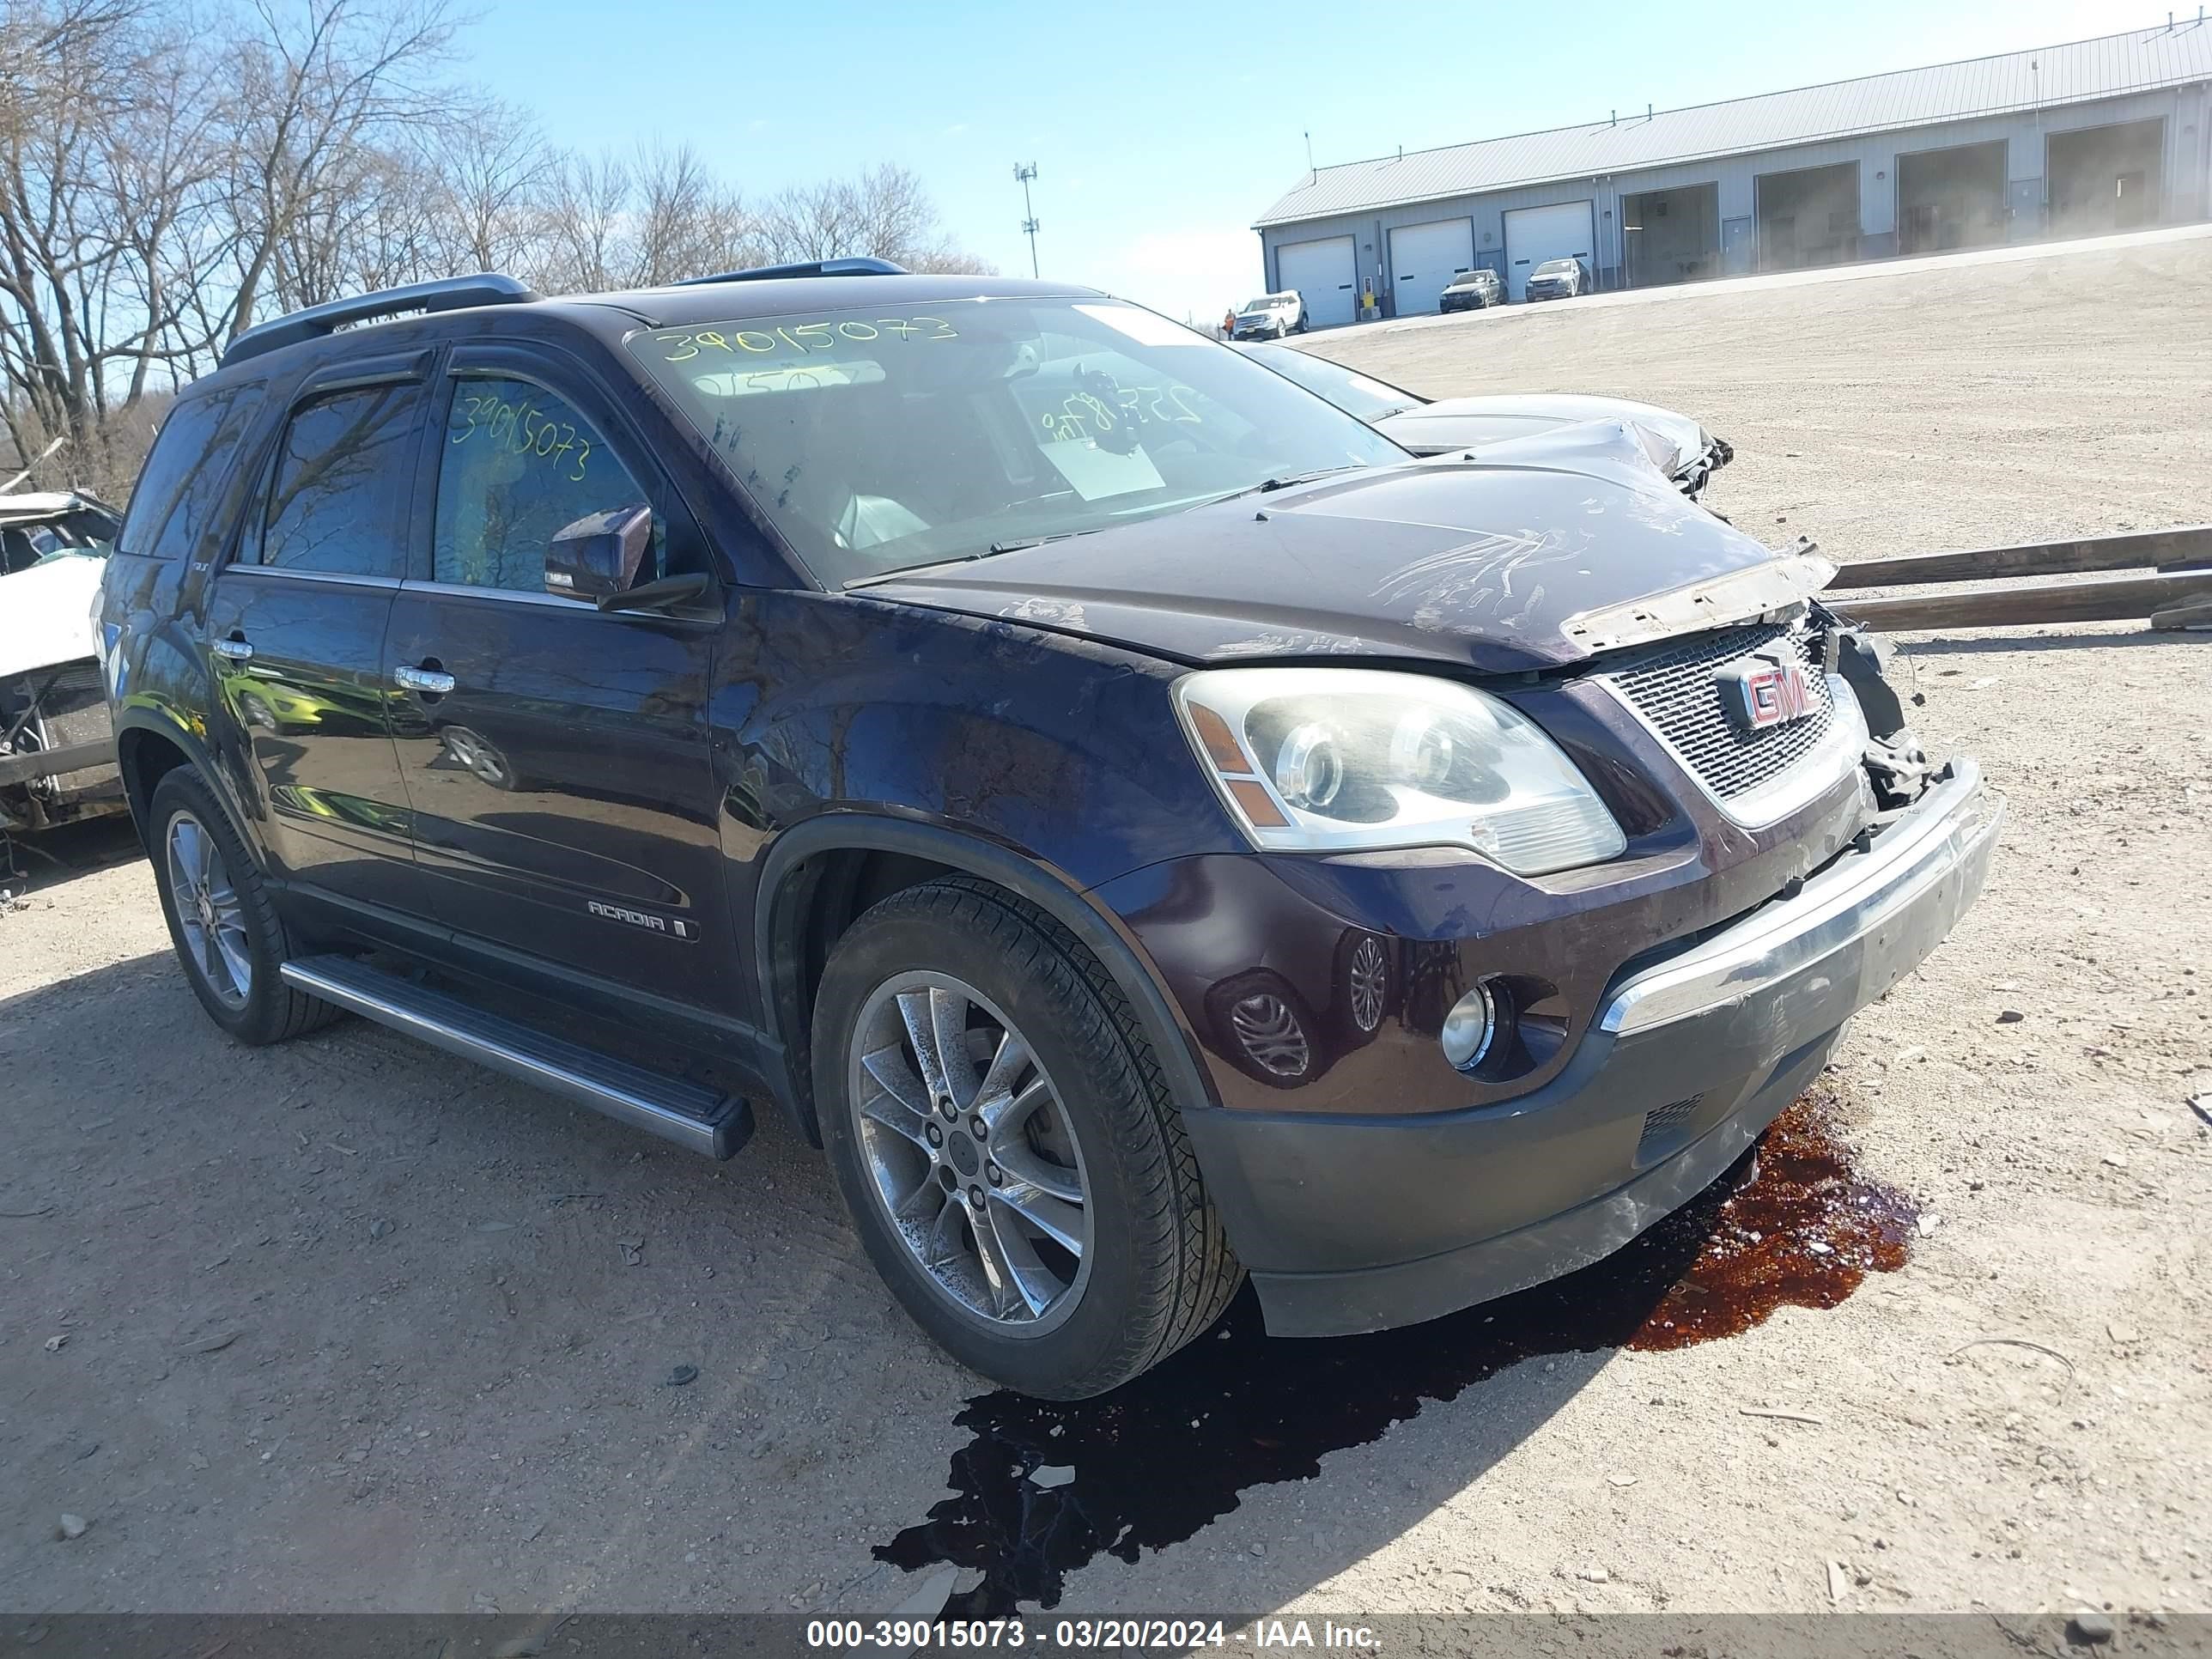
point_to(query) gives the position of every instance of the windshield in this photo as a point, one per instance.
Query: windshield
(878, 442)
(1555, 267)
(1355, 394)
(1266, 302)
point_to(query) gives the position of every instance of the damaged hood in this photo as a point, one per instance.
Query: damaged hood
(1681, 448)
(45, 613)
(1499, 565)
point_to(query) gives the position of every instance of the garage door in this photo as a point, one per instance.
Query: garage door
(1533, 235)
(1424, 259)
(1321, 271)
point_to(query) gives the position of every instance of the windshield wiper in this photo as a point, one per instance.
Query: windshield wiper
(1268, 485)
(970, 558)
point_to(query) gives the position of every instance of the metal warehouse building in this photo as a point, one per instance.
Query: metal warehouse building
(2075, 140)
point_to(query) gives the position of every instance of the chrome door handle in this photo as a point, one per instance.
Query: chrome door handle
(429, 680)
(236, 650)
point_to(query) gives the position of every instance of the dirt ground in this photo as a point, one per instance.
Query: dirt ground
(344, 1325)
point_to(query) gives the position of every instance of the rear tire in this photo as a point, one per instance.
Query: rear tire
(1151, 1268)
(222, 919)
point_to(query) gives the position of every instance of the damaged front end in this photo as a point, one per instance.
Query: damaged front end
(57, 745)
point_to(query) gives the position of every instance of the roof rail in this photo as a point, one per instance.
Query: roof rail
(860, 266)
(447, 294)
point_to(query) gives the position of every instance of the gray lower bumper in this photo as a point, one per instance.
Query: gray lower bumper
(1354, 1223)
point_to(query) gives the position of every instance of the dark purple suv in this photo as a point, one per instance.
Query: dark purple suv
(1145, 826)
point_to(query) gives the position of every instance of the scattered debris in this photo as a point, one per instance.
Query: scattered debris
(2122, 1333)
(1621, 1480)
(1928, 1223)
(1839, 1581)
(215, 1344)
(2015, 1342)
(1048, 1475)
(381, 1227)
(927, 1600)
(48, 1209)
(1594, 1575)
(1781, 1415)
(55, 1344)
(683, 1376)
(2202, 1105)
(74, 1526)
(494, 1227)
(2011, 1017)
(633, 1251)
(2089, 1629)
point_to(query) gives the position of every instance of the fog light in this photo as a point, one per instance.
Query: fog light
(1471, 1028)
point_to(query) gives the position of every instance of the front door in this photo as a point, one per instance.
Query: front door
(295, 629)
(557, 757)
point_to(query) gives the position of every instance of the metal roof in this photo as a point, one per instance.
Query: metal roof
(2070, 74)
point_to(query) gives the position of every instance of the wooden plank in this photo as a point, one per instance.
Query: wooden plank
(2133, 550)
(2113, 598)
(2195, 614)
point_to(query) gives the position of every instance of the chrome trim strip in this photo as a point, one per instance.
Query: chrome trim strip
(616, 1101)
(507, 595)
(332, 578)
(1950, 833)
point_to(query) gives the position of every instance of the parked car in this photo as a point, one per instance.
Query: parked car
(1146, 827)
(1676, 444)
(56, 761)
(1270, 317)
(1473, 290)
(1557, 279)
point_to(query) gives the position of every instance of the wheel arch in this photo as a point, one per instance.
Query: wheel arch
(148, 747)
(819, 876)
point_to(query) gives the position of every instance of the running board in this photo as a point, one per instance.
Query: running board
(689, 1114)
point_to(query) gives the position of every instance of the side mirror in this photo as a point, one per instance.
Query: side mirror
(600, 553)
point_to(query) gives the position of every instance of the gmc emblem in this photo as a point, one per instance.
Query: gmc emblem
(1769, 688)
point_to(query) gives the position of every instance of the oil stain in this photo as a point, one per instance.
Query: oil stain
(1155, 1461)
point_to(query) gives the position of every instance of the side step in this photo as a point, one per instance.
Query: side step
(690, 1114)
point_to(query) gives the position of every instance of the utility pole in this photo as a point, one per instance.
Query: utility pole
(1025, 171)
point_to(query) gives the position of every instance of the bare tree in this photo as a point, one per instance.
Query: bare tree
(168, 175)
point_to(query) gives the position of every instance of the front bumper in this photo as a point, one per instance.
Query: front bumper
(1360, 1223)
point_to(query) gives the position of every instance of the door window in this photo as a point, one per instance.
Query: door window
(518, 466)
(335, 500)
(182, 479)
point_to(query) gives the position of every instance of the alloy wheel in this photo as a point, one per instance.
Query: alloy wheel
(971, 1151)
(208, 913)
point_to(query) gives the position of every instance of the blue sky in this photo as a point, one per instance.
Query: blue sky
(1161, 130)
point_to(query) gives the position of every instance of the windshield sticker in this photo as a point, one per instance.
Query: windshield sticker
(521, 430)
(1145, 327)
(803, 337)
(1095, 473)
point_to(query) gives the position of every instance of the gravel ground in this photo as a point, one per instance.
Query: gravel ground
(343, 1324)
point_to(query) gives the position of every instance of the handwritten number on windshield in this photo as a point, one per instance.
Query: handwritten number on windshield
(802, 337)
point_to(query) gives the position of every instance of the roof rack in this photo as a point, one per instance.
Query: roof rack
(447, 294)
(862, 265)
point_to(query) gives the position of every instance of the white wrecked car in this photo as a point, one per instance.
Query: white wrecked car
(56, 748)
(1677, 445)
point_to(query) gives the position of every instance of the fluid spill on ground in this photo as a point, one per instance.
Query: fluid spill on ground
(1790, 1225)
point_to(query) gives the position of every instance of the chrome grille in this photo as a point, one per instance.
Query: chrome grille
(1674, 690)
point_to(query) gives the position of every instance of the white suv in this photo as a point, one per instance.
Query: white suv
(1270, 317)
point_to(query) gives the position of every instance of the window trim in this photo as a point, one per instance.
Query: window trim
(560, 373)
(353, 374)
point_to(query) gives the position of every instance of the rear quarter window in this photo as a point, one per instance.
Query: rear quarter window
(172, 505)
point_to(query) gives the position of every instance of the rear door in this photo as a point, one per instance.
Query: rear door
(295, 629)
(557, 757)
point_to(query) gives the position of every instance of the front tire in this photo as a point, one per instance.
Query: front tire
(221, 918)
(1007, 1148)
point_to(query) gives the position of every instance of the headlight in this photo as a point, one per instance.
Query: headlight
(1342, 759)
